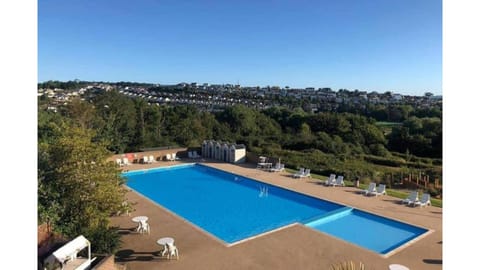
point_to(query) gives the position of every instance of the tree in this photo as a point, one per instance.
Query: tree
(82, 113)
(118, 123)
(78, 188)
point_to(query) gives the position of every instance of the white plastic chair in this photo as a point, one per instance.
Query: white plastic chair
(144, 227)
(145, 160)
(125, 161)
(172, 250)
(151, 159)
(118, 162)
(168, 157)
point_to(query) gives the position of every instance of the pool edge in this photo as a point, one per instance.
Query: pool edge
(251, 177)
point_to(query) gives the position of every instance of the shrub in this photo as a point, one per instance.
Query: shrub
(104, 240)
(433, 191)
(348, 266)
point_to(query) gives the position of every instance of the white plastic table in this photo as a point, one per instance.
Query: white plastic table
(163, 242)
(397, 267)
(139, 220)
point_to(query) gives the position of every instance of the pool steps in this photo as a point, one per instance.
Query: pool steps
(328, 217)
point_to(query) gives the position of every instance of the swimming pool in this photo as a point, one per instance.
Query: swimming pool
(233, 208)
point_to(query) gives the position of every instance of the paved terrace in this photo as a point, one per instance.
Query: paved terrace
(294, 247)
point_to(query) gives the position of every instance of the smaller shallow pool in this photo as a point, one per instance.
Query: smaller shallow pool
(370, 231)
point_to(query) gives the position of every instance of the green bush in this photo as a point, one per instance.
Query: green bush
(433, 191)
(392, 162)
(104, 240)
(349, 265)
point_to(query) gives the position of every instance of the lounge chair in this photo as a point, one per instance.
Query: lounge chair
(299, 173)
(411, 199)
(168, 157)
(381, 190)
(372, 188)
(306, 173)
(174, 157)
(278, 168)
(151, 159)
(331, 180)
(145, 160)
(118, 162)
(125, 161)
(424, 201)
(339, 181)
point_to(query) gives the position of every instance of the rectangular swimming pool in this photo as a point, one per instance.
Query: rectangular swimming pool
(233, 208)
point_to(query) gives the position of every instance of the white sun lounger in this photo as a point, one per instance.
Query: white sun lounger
(331, 180)
(299, 173)
(118, 161)
(279, 167)
(306, 173)
(381, 190)
(411, 199)
(339, 181)
(372, 188)
(424, 201)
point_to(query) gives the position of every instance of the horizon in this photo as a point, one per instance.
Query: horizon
(369, 45)
(243, 86)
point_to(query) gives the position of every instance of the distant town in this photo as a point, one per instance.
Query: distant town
(216, 97)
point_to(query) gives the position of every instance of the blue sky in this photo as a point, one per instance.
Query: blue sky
(371, 45)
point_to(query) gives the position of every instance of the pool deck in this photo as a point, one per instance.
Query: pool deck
(293, 247)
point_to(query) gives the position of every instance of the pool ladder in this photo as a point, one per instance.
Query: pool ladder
(263, 191)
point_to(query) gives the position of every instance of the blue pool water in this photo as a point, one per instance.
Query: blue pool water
(370, 231)
(232, 207)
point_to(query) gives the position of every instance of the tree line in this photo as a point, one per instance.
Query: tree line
(131, 124)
